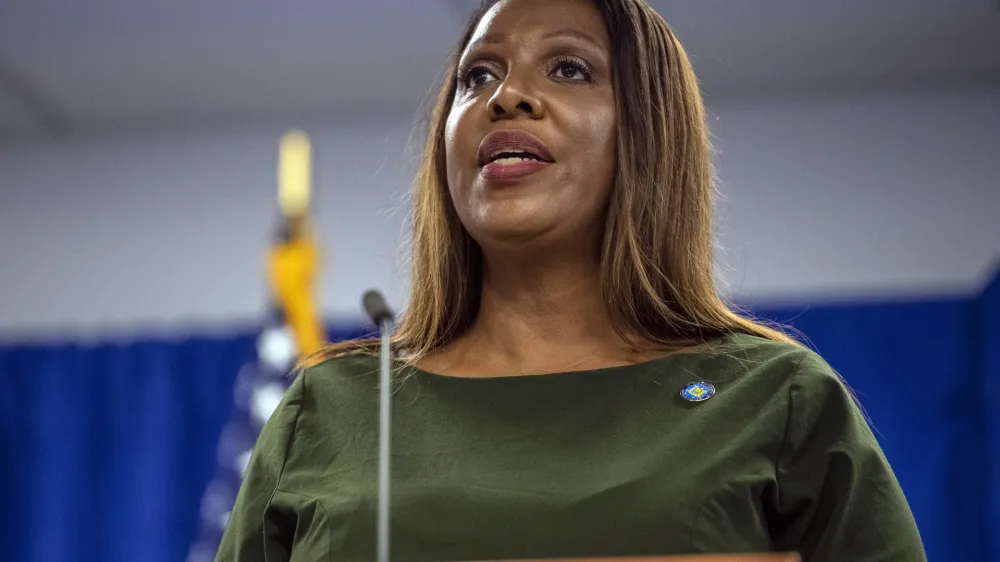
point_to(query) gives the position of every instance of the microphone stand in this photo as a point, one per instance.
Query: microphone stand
(378, 310)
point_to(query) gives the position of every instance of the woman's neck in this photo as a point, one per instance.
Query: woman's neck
(537, 318)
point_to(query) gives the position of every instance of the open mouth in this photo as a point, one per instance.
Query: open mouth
(512, 147)
(506, 156)
(509, 157)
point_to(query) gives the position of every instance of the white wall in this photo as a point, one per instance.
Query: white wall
(861, 198)
(887, 195)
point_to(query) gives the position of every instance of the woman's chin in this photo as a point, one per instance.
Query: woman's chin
(514, 229)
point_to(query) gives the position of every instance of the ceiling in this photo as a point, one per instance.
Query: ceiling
(89, 64)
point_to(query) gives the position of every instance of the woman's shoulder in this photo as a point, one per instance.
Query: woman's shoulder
(750, 352)
(337, 375)
(758, 363)
(323, 395)
(783, 385)
(345, 365)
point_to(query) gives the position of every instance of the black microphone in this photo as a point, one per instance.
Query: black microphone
(377, 309)
(375, 306)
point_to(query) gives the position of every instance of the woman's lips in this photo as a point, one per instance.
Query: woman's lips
(512, 168)
(498, 142)
(512, 154)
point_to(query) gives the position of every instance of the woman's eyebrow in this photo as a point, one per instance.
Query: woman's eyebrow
(495, 38)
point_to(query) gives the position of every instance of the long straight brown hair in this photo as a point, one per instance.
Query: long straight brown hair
(657, 266)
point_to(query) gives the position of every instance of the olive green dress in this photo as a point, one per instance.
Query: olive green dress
(606, 462)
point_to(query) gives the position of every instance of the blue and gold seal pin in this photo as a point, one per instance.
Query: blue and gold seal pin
(698, 391)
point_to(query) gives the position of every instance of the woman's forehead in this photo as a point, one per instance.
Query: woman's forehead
(524, 20)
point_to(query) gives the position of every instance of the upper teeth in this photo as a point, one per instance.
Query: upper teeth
(511, 156)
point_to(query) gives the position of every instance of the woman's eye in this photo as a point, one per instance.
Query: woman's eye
(478, 76)
(569, 70)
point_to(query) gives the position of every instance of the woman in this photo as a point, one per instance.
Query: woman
(570, 383)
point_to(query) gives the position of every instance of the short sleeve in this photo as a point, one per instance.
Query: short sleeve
(254, 532)
(838, 498)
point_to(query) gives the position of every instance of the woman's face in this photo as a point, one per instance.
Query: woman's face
(530, 139)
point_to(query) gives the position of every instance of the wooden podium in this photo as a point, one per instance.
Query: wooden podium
(770, 557)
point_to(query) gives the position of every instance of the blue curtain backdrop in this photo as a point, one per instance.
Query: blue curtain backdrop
(107, 448)
(988, 320)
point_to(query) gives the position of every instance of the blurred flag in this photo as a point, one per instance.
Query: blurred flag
(291, 328)
(259, 387)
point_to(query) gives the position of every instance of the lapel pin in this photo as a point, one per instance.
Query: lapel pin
(698, 391)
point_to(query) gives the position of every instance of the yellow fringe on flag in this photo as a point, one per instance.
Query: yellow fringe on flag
(293, 267)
